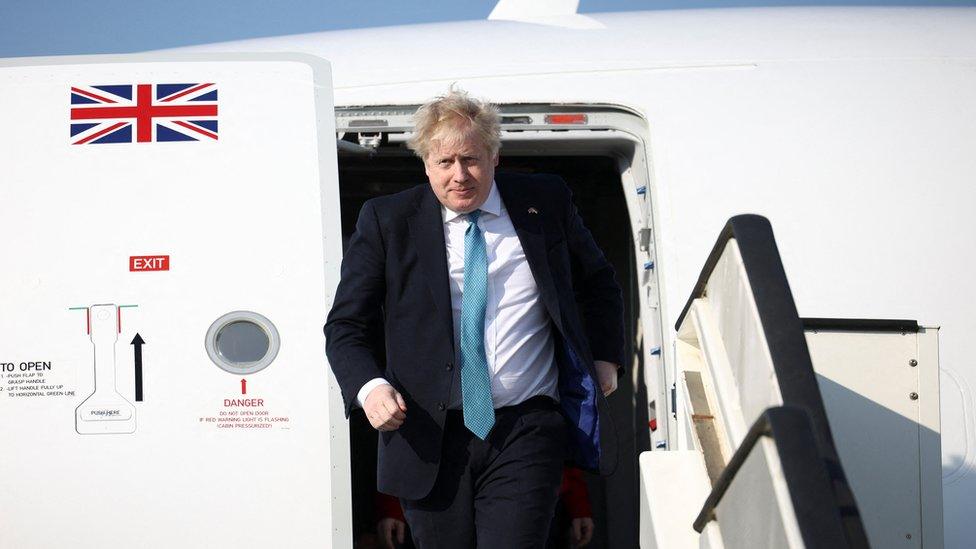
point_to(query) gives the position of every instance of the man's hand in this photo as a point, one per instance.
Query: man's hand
(387, 528)
(606, 372)
(581, 531)
(385, 408)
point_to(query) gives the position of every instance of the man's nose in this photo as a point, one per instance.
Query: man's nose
(460, 172)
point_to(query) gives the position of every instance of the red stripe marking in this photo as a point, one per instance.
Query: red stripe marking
(88, 321)
(92, 95)
(100, 113)
(196, 129)
(185, 92)
(144, 116)
(118, 312)
(96, 135)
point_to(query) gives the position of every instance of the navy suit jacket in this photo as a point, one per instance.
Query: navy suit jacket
(394, 300)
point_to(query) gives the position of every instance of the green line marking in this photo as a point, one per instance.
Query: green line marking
(86, 308)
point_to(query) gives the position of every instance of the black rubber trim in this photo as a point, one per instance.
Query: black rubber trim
(861, 325)
(821, 524)
(787, 347)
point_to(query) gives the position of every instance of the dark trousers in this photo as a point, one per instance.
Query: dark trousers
(495, 493)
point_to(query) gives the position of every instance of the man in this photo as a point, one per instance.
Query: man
(503, 332)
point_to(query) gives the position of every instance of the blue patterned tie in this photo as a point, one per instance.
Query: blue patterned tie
(479, 412)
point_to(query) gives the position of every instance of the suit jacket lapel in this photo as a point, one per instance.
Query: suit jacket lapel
(427, 232)
(526, 216)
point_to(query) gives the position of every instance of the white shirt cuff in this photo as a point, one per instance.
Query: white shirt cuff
(367, 387)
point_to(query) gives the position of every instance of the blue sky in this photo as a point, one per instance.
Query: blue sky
(58, 27)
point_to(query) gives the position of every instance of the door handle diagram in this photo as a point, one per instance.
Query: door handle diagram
(105, 411)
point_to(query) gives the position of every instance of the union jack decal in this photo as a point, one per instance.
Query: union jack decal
(143, 113)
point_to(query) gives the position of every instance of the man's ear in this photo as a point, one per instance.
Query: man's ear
(495, 160)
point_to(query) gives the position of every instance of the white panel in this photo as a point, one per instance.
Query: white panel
(757, 511)
(241, 221)
(887, 433)
(674, 487)
(866, 382)
(734, 309)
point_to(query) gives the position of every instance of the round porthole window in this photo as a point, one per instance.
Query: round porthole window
(242, 342)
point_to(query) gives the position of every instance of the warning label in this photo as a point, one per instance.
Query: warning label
(148, 263)
(246, 413)
(30, 379)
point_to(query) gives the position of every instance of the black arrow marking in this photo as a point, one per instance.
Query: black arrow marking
(138, 343)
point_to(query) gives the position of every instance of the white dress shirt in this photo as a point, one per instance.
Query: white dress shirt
(518, 337)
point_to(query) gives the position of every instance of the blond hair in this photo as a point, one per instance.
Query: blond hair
(450, 118)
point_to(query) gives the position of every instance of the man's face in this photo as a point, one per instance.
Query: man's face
(461, 173)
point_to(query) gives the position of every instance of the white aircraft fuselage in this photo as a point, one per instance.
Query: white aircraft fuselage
(852, 129)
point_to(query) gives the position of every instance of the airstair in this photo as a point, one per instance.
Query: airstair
(789, 432)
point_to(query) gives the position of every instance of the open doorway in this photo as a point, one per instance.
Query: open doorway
(595, 177)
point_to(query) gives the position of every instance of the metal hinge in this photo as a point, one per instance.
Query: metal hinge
(674, 403)
(644, 236)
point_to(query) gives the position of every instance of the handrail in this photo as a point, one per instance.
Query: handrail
(861, 325)
(786, 342)
(818, 517)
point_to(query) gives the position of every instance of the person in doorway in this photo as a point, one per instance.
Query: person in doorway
(572, 525)
(502, 324)
(391, 525)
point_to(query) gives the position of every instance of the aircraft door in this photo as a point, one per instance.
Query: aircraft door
(171, 241)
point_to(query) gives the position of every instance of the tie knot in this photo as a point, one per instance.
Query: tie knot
(473, 216)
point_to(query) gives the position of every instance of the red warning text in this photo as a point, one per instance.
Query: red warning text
(148, 263)
(243, 402)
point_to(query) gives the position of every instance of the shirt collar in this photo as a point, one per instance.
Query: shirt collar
(492, 205)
